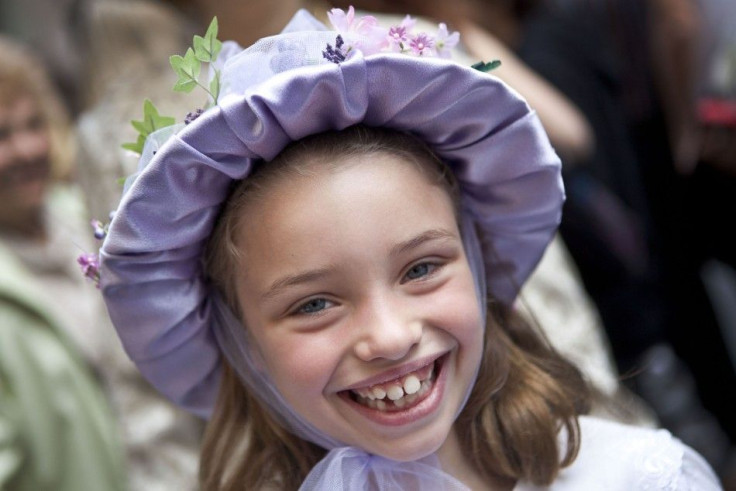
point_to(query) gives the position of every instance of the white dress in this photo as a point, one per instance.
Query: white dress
(616, 457)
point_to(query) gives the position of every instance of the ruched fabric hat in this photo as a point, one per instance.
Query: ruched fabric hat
(280, 90)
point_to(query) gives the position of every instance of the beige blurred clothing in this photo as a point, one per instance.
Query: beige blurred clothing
(554, 299)
(131, 41)
(161, 442)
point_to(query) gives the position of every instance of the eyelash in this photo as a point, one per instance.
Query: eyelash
(433, 268)
(305, 305)
(300, 309)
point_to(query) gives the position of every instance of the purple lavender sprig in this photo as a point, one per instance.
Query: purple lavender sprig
(335, 55)
(191, 116)
(90, 264)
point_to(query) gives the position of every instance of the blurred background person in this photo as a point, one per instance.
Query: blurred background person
(160, 442)
(55, 31)
(57, 430)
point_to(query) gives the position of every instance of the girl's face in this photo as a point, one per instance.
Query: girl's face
(358, 294)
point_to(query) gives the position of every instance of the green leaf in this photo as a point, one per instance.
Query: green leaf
(151, 122)
(486, 67)
(140, 127)
(152, 119)
(187, 68)
(136, 147)
(185, 86)
(200, 50)
(205, 50)
(208, 47)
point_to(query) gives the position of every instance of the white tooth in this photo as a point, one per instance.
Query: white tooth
(369, 394)
(380, 405)
(400, 402)
(370, 403)
(378, 392)
(412, 384)
(395, 392)
(411, 398)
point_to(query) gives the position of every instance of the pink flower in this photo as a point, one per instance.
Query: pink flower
(445, 42)
(341, 21)
(365, 34)
(362, 33)
(422, 44)
(398, 36)
(90, 264)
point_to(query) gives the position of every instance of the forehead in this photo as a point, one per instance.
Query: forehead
(315, 177)
(362, 201)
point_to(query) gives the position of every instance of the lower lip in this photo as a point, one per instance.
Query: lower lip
(419, 410)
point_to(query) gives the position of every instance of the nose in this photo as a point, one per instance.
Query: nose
(387, 329)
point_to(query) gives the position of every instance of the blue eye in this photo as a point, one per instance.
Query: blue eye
(419, 271)
(313, 306)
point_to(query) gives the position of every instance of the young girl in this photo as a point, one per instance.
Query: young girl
(323, 265)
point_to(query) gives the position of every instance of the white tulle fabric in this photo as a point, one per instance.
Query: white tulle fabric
(350, 468)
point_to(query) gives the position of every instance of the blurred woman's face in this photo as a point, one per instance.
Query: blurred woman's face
(24, 160)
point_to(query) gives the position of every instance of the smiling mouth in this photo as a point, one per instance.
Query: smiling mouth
(399, 394)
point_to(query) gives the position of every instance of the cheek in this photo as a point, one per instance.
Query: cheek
(459, 314)
(38, 144)
(462, 310)
(300, 363)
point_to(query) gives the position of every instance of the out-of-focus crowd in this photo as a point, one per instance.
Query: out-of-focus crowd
(638, 98)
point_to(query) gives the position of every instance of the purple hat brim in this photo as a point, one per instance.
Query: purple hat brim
(152, 277)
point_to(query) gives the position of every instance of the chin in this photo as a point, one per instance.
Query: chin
(411, 447)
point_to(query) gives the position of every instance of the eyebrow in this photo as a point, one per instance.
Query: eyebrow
(294, 280)
(428, 236)
(289, 281)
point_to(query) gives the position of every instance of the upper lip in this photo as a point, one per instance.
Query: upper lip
(396, 372)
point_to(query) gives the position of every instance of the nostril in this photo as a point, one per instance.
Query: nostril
(394, 345)
(386, 328)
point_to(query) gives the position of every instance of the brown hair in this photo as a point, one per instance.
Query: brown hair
(525, 392)
(23, 74)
